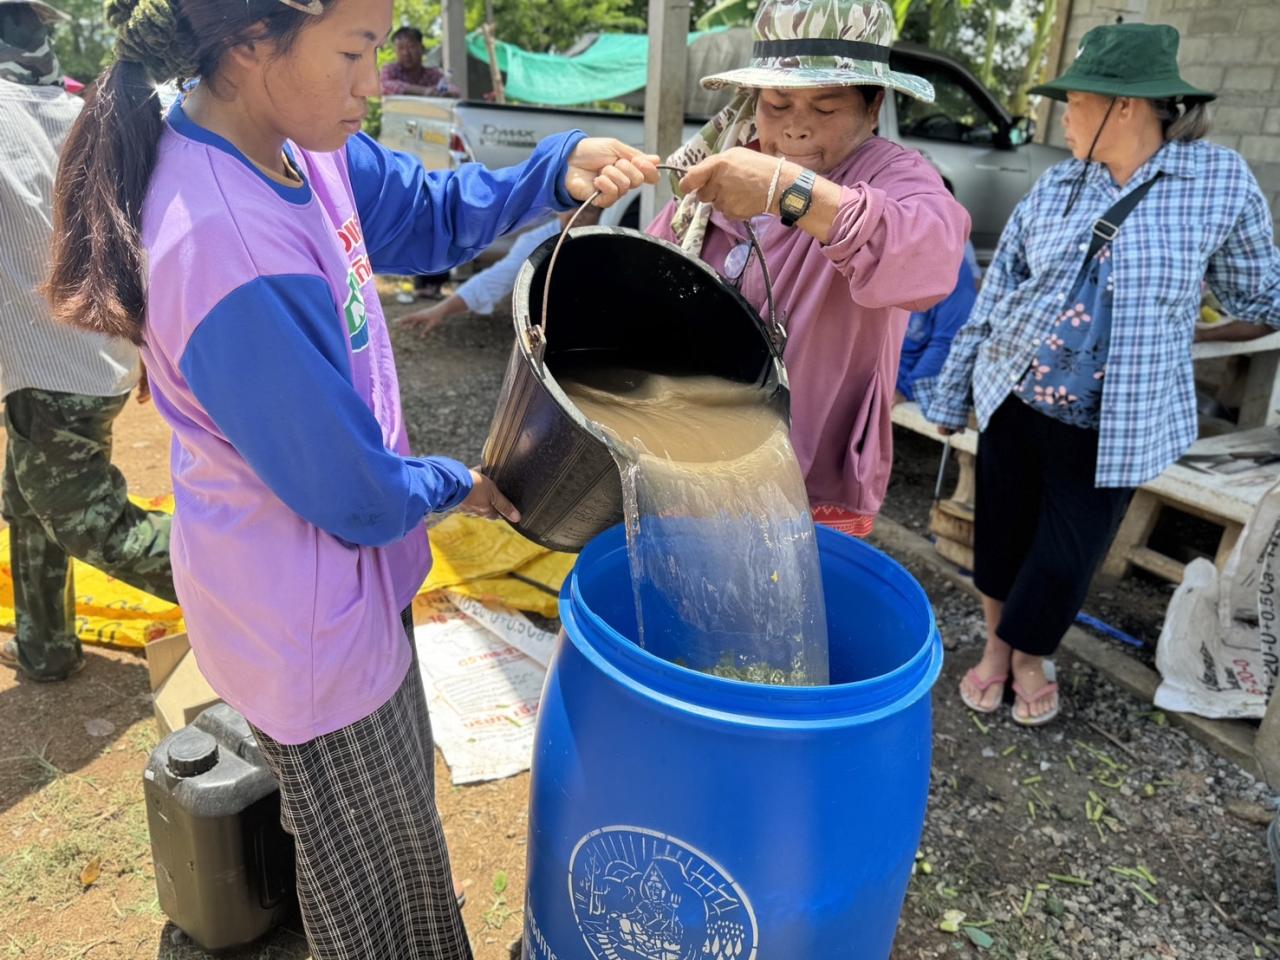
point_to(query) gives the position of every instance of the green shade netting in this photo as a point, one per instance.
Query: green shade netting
(614, 65)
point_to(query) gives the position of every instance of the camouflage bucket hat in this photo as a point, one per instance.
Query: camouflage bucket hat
(822, 43)
(48, 14)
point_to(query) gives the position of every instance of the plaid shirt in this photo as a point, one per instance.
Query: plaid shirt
(1205, 219)
(396, 80)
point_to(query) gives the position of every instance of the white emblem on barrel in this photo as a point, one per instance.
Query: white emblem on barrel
(641, 895)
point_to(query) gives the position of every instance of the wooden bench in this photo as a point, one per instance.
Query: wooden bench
(1192, 486)
(950, 519)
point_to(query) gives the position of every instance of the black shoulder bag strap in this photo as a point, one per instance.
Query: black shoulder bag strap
(1107, 227)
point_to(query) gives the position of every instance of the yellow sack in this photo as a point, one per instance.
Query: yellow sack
(484, 559)
(489, 561)
(107, 611)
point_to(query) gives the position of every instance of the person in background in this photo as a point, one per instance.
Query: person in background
(62, 388)
(407, 75)
(237, 239)
(482, 293)
(1077, 356)
(930, 332)
(857, 231)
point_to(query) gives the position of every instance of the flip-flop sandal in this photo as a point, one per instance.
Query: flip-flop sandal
(1021, 696)
(983, 686)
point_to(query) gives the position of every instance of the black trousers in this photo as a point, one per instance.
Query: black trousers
(1041, 527)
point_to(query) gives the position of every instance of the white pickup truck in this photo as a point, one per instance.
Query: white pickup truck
(984, 154)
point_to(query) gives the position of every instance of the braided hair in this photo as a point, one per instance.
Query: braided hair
(154, 34)
(97, 278)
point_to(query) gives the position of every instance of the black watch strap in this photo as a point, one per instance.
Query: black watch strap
(797, 198)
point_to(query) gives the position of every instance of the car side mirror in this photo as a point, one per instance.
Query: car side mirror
(1022, 131)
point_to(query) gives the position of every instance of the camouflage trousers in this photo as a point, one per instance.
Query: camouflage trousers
(63, 499)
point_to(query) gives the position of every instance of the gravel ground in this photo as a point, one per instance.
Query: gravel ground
(1028, 830)
(1135, 604)
(1039, 838)
(449, 381)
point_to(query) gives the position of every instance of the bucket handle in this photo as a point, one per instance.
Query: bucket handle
(538, 334)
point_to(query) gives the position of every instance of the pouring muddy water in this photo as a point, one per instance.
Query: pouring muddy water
(693, 797)
(723, 557)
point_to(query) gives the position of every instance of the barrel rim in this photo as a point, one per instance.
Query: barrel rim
(741, 701)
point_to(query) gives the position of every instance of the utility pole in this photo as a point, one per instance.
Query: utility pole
(664, 92)
(453, 16)
(491, 44)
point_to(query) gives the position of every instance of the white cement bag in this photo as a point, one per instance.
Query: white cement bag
(1217, 654)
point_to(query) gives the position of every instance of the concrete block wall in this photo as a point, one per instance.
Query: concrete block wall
(1231, 47)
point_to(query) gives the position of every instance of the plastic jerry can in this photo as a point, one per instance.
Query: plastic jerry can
(224, 864)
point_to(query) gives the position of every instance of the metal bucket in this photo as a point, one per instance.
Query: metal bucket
(620, 298)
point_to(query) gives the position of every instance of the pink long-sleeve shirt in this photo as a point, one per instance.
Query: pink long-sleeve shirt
(895, 247)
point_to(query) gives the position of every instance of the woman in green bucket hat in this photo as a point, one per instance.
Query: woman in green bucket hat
(856, 231)
(1077, 356)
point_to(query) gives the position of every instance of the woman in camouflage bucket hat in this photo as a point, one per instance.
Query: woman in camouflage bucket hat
(857, 231)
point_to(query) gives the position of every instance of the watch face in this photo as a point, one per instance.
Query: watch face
(791, 203)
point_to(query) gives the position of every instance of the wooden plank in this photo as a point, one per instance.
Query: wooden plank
(909, 415)
(1044, 112)
(1139, 521)
(1266, 746)
(1184, 488)
(958, 509)
(664, 93)
(1230, 535)
(1208, 349)
(1259, 406)
(947, 527)
(966, 483)
(1157, 563)
(453, 42)
(957, 553)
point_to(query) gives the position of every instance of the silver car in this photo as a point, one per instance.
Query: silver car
(984, 154)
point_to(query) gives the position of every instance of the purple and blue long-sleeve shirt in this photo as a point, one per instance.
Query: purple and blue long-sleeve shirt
(298, 536)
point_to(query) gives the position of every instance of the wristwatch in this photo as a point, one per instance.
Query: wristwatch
(797, 198)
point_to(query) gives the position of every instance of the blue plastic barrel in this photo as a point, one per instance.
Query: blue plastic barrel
(680, 816)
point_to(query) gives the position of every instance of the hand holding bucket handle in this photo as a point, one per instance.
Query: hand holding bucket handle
(539, 338)
(486, 500)
(602, 170)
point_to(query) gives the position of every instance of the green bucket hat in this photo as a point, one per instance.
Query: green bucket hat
(822, 43)
(1126, 60)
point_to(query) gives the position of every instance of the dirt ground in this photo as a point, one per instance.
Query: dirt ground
(1038, 837)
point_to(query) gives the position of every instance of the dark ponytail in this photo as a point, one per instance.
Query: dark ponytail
(97, 278)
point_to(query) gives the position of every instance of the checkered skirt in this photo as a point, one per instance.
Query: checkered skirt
(373, 871)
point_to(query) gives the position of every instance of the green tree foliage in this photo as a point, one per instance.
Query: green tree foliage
(541, 26)
(83, 44)
(1004, 42)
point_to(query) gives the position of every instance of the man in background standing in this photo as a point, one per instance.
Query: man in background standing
(62, 388)
(407, 75)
